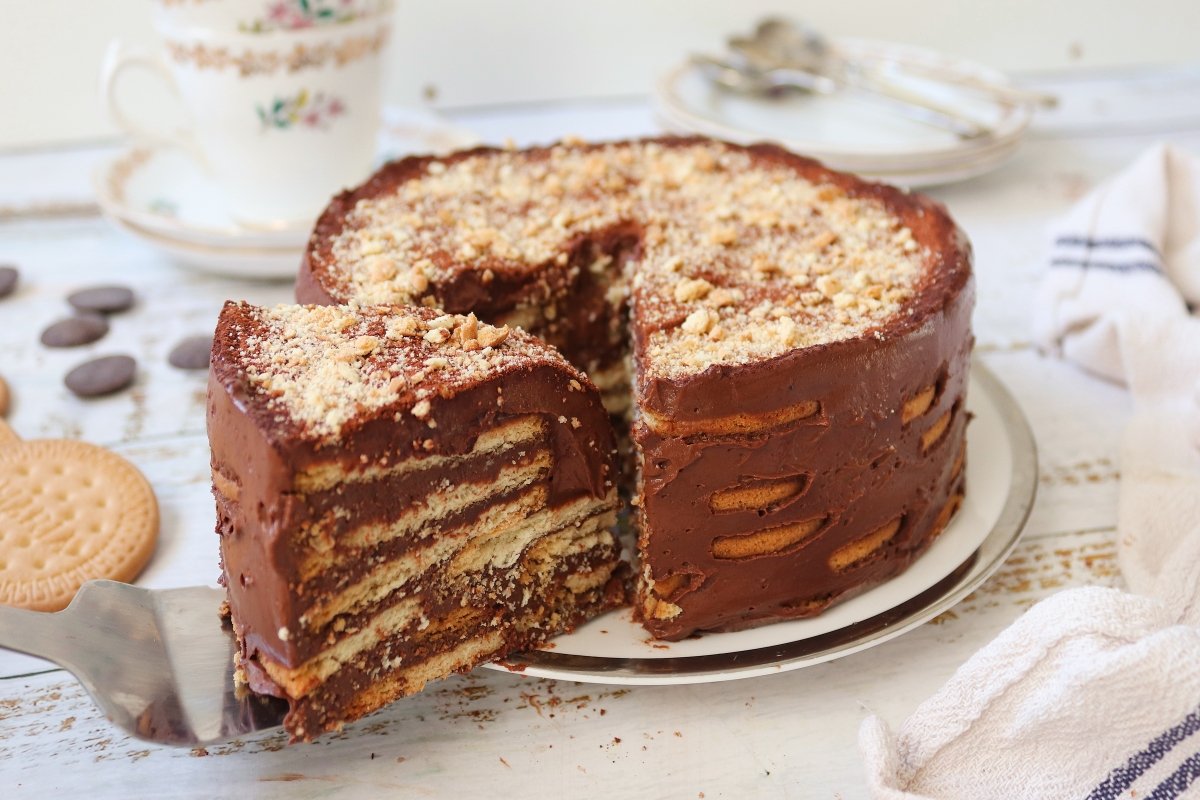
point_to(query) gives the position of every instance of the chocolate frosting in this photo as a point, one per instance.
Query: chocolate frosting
(859, 468)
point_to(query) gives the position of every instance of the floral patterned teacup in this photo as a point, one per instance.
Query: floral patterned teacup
(263, 16)
(282, 119)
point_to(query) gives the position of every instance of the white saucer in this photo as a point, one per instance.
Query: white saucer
(1002, 479)
(164, 197)
(851, 133)
(266, 263)
(164, 191)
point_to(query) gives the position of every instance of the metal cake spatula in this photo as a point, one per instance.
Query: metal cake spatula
(159, 663)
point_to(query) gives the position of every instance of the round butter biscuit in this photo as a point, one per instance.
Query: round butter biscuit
(70, 512)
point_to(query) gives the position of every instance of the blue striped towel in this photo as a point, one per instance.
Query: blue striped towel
(1095, 693)
(1129, 252)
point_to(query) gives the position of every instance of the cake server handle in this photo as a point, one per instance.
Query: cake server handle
(36, 633)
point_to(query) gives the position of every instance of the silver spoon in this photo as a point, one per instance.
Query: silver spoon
(746, 78)
(794, 44)
(159, 664)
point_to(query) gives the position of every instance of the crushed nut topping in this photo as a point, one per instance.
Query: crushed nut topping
(690, 289)
(326, 366)
(746, 238)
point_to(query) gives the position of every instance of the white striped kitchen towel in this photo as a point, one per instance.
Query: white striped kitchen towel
(1095, 693)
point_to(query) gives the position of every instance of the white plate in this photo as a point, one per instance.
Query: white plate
(848, 132)
(1002, 479)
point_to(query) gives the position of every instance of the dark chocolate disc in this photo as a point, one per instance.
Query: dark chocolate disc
(104, 299)
(101, 376)
(191, 353)
(8, 280)
(75, 331)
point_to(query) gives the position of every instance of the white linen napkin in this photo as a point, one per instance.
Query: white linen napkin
(1095, 693)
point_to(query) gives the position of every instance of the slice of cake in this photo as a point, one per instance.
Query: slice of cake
(800, 342)
(401, 494)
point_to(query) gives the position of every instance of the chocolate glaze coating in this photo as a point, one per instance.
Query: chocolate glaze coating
(859, 466)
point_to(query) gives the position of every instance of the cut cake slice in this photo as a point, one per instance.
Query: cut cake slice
(401, 494)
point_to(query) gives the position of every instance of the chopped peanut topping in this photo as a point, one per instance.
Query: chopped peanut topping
(324, 366)
(718, 227)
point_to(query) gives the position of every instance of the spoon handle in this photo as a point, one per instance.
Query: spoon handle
(1001, 92)
(914, 105)
(744, 79)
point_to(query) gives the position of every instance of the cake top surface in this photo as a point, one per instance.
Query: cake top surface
(319, 369)
(745, 253)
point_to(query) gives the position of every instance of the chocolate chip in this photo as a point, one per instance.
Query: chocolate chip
(191, 353)
(104, 299)
(8, 280)
(75, 331)
(101, 376)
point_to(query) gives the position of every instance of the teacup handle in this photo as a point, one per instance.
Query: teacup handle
(120, 57)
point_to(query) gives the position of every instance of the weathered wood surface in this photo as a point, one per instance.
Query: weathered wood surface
(788, 735)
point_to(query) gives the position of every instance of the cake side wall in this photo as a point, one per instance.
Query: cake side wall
(745, 528)
(255, 508)
(310, 290)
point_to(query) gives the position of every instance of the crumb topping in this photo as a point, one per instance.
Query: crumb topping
(741, 259)
(324, 366)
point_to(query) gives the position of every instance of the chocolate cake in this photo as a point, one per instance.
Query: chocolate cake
(401, 493)
(799, 340)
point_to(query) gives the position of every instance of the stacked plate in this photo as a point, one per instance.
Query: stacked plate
(855, 133)
(165, 198)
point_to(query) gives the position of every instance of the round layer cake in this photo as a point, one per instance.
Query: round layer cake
(789, 345)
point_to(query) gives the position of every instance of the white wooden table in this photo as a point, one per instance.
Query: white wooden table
(788, 735)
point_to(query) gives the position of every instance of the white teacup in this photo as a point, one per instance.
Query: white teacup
(281, 119)
(263, 16)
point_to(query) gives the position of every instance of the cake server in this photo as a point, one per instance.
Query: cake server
(158, 663)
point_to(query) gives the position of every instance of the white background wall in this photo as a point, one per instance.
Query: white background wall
(473, 52)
